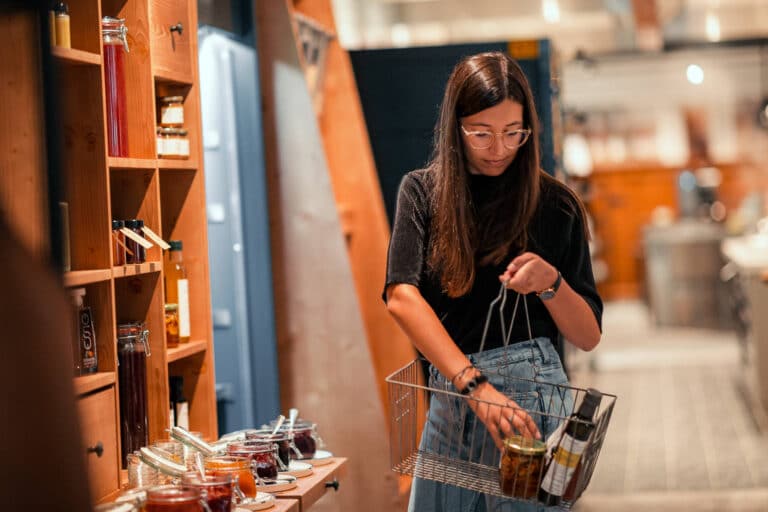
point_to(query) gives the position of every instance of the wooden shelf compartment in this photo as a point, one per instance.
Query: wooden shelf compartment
(98, 296)
(140, 299)
(134, 195)
(199, 389)
(139, 84)
(83, 159)
(85, 27)
(136, 269)
(182, 196)
(76, 57)
(185, 350)
(88, 383)
(172, 51)
(83, 277)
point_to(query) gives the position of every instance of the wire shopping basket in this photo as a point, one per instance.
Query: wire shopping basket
(461, 451)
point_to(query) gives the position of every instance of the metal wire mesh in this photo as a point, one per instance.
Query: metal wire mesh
(465, 455)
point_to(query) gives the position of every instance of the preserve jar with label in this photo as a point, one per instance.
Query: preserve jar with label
(172, 111)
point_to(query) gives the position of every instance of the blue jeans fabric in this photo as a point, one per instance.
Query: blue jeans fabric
(452, 428)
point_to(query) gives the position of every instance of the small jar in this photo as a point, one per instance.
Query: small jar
(172, 111)
(135, 253)
(235, 466)
(172, 325)
(262, 454)
(521, 467)
(305, 437)
(139, 473)
(118, 243)
(216, 490)
(173, 498)
(281, 439)
(160, 141)
(183, 144)
(175, 143)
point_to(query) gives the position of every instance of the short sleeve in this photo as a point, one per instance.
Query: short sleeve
(577, 267)
(407, 253)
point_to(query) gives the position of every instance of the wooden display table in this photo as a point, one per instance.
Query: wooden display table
(313, 487)
(284, 506)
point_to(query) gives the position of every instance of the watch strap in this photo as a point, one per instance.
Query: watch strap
(550, 292)
(473, 384)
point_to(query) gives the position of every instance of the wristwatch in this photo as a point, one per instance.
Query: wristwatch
(473, 384)
(552, 290)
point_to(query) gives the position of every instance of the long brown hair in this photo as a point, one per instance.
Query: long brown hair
(459, 241)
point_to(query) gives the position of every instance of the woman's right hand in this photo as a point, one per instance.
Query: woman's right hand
(500, 415)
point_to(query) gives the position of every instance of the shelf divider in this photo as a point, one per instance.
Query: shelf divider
(82, 277)
(131, 163)
(77, 57)
(88, 383)
(135, 269)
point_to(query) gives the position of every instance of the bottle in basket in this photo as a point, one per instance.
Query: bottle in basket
(566, 456)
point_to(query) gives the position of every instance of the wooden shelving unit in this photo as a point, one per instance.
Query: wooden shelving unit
(169, 195)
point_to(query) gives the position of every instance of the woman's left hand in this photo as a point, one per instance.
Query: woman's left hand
(528, 273)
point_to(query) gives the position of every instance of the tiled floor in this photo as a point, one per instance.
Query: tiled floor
(681, 436)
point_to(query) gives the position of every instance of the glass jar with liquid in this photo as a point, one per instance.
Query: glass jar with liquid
(115, 45)
(132, 353)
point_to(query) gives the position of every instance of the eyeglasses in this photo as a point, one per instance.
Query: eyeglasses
(483, 139)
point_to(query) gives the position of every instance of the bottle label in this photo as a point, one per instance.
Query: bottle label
(172, 116)
(182, 285)
(88, 360)
(563, 465)
(160, 146)
(182, 415)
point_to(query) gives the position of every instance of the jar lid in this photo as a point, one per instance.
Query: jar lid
(525, 445)
(118, 224)
(166, 131)
(182, 132)
(172, 99)
(176, 245)
(171, 307)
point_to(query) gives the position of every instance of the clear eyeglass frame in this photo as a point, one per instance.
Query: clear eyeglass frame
(524, 132)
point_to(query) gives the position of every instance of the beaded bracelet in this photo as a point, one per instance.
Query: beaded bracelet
(461, 372)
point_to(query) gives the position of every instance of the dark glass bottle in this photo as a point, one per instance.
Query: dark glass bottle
(566, 456)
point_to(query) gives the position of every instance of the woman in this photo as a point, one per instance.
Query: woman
(484, 213)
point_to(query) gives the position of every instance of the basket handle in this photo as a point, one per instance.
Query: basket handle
(506, 335)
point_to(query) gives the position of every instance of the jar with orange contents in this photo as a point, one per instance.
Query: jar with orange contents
(240, 466)
(174, 498)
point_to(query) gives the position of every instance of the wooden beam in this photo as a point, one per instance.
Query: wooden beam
(326, 366)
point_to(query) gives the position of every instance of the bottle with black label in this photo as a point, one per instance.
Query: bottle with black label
(86, 358)
(566, 457)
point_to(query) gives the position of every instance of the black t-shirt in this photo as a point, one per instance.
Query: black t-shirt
(556, 233)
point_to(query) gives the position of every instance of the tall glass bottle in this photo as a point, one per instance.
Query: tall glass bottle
(567, 455)
(177, 287)
(114, 40)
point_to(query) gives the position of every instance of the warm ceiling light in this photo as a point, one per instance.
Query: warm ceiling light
(550, 9)
(695, 74)
(712, 27)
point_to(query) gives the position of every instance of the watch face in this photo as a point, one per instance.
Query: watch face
(547, 294)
